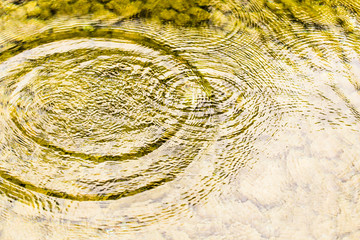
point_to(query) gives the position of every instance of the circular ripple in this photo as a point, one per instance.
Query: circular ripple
(99, 118)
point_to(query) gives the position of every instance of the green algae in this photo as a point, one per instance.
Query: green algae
(191, 12)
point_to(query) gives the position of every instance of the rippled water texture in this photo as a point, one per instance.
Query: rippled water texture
(185, 120)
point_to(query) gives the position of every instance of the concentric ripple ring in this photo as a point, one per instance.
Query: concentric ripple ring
(99, 118)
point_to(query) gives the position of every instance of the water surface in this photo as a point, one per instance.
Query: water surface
(183, 120)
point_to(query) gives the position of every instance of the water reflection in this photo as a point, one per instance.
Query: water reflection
(181, 120)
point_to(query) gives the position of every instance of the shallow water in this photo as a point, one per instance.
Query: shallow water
(241, 122)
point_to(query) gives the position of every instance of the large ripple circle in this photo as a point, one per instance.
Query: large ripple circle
(99, 118)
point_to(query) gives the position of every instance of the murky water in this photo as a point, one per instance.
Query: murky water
(183, 120)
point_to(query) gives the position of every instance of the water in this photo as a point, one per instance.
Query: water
(183, 120)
